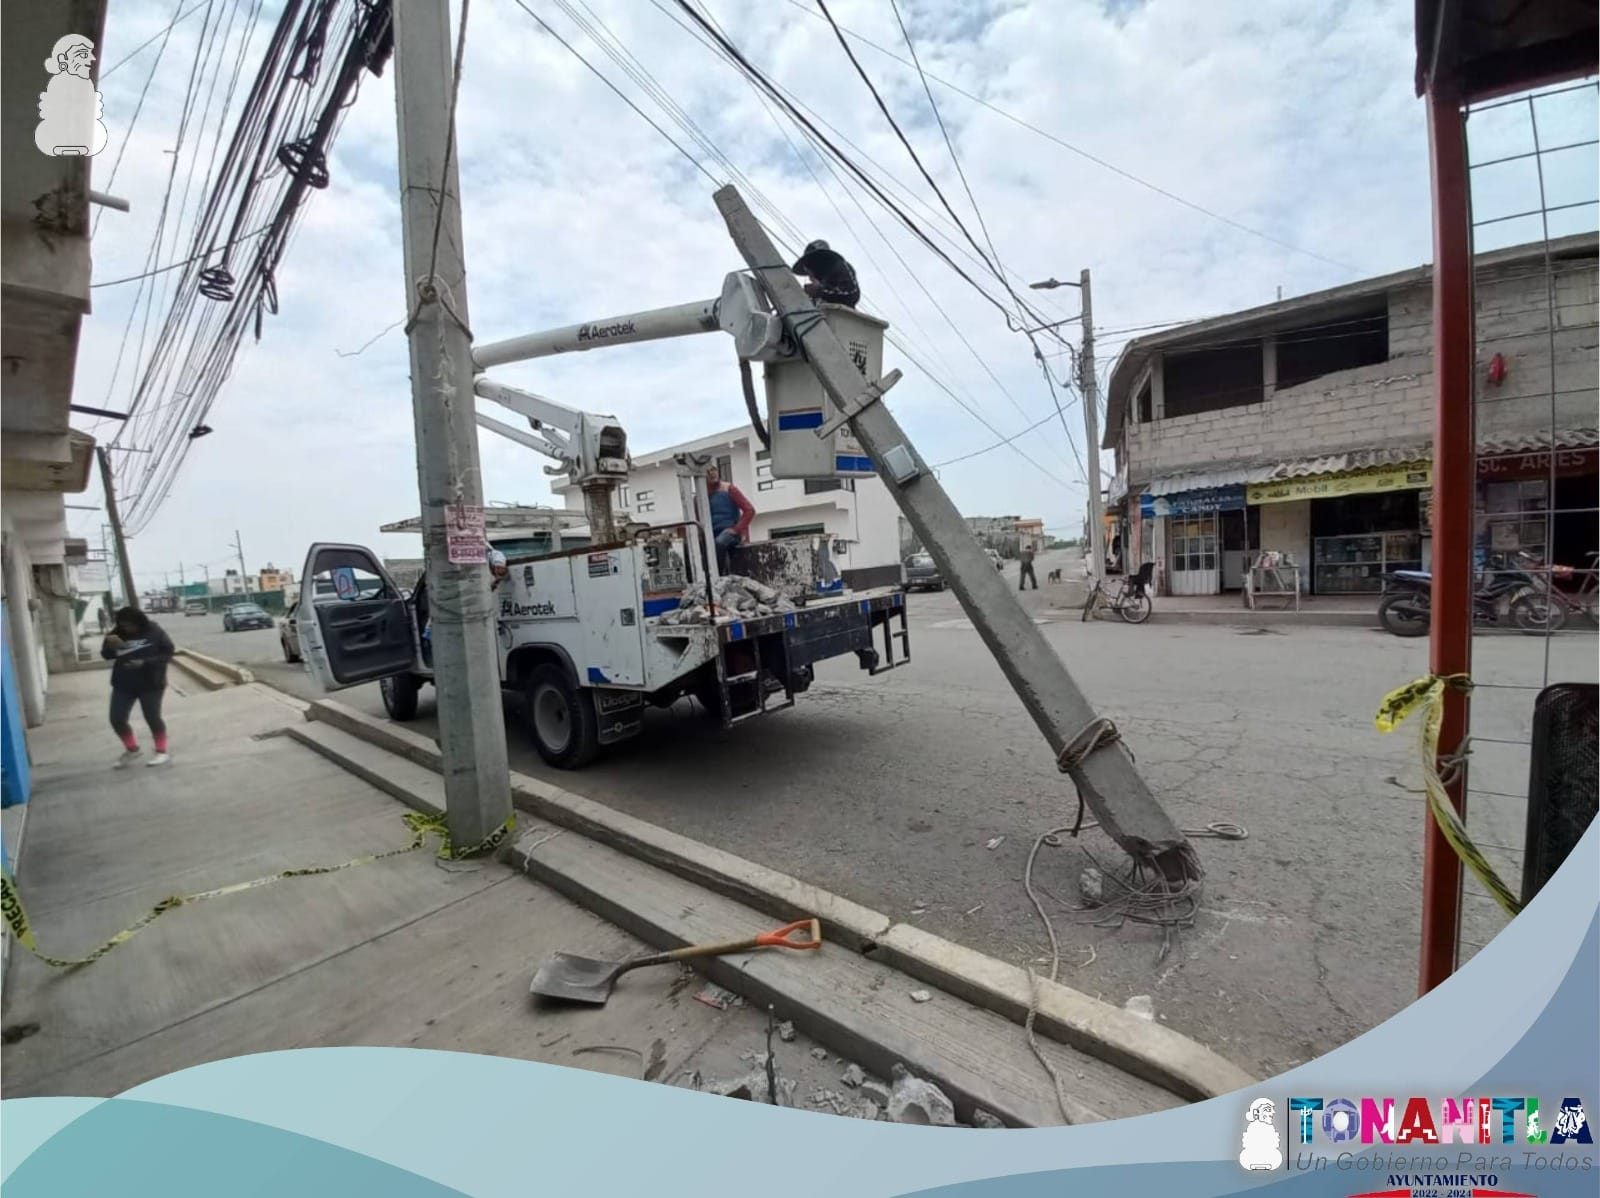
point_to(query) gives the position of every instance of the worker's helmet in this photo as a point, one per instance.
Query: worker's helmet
(815, 246)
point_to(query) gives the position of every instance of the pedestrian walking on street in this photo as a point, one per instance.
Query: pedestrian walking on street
(1026, 575)
(139, 651)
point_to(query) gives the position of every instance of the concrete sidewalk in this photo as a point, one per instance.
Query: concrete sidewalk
(404, 951)
(1064, 600)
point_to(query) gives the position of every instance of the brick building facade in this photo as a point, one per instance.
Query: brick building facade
(1304, 427)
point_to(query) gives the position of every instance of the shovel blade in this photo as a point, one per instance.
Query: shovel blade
(575, 979)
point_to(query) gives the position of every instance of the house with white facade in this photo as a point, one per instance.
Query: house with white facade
(856, 514)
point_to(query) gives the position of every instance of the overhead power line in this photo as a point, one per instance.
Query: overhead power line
(1094, 158)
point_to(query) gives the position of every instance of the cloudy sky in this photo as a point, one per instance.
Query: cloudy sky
(1294, 124)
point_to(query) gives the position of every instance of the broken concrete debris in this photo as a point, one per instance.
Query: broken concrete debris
(820, 1053)
(876, 1093)
(853, 1076)
(716, 996)
(921, 996)
(1092, 886)
(1141, 1005)
(994, 842)
(913, 1100)
(737, 597)
(786, 1031)
(982, 1118)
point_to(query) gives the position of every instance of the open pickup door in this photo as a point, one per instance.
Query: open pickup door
(353, 625)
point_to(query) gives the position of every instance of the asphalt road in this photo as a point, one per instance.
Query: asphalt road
(891, 789)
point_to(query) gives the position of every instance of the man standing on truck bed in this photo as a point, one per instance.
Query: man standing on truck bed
(731, 514)
(833, 280)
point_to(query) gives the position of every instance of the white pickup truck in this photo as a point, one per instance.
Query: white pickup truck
(589, 636)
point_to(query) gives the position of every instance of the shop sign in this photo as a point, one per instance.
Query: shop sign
(1193, 503)
(1568, 462)
(1325, 486)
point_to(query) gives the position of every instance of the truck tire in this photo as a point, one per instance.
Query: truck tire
(561, 718)
(400, 696)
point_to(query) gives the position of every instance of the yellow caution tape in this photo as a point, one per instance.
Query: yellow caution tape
(1428, 693)
(422, 827)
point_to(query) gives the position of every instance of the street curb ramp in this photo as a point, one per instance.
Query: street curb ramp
(1145, 1050)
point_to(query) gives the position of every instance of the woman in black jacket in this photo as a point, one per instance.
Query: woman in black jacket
(139, 652)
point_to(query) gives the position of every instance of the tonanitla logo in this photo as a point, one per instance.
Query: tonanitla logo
(1367, 1121)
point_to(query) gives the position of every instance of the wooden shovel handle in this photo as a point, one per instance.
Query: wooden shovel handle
(780, 938)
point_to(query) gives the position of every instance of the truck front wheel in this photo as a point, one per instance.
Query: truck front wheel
(400, 696)
(561, 719)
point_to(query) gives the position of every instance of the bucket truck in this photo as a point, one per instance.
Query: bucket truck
(639, 615)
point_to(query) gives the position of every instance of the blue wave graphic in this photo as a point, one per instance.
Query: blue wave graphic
(139, 1148)
(1517, 1020)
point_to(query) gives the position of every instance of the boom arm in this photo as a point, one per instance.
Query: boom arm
(592, 449)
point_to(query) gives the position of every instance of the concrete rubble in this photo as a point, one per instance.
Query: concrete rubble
(982, 1118)
(913, 1100)
(737, 597)
(786, 1031)
(1141, 1005)
(853, 1076)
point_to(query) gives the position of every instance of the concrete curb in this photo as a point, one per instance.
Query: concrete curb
(230, 673)
(1147, 1050)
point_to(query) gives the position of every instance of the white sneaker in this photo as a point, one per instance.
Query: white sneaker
(159, 759)
(129, 756)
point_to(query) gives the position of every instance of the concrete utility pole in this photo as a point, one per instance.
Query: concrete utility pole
(1104, 775)
(472, 728)
(1089, 388)
(244, 575)
(132, 595)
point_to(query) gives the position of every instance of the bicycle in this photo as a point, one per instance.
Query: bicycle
(1131, 600)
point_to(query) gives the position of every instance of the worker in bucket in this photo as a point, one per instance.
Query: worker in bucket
(498, 570)
(833, 280)
(731, 514)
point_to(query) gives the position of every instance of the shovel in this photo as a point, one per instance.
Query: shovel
(578, 979)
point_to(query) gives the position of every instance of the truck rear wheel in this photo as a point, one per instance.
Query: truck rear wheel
(561, 719)
(400, 696)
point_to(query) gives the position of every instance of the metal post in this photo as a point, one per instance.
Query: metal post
(1104, 776)
(1454, 482)
(472, 730)
(1089, 388)
(132, 595)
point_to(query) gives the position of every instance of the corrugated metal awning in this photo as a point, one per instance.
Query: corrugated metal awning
(1202, 480)
(1355, 460)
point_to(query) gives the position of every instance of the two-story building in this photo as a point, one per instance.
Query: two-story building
(1305, 427)
(856, 514)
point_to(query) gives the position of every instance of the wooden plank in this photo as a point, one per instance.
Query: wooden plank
(855, 1005)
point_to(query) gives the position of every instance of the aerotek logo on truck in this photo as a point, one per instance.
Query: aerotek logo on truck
(510, 609)
(599, 332)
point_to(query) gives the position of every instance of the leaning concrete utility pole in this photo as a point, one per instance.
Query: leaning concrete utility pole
(110, 489)
(472, 729)
(1084, 743)
(1089, 388)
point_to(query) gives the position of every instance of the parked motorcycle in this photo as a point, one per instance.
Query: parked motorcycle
(1508, 593)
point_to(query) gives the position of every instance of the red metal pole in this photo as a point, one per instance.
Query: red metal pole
(1454, 508)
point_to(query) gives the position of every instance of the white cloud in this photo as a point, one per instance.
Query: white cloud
(1293, 119)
